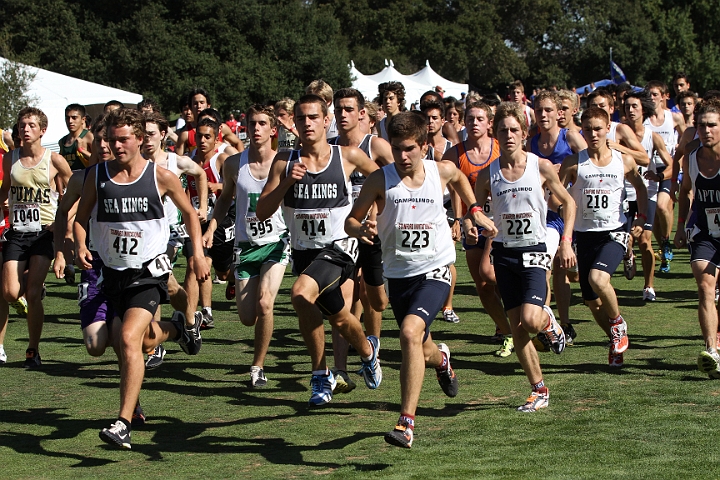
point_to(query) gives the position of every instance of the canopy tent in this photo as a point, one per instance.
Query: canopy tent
(52, 92)
(415, 85)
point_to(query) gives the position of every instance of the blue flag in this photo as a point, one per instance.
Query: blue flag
(616, 74)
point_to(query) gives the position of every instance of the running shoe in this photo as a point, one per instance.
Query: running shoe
(618, 337)
(155, 359)
(32, 358)
(371, 371)
(322, 389)
(257, 377)
(629, 266)
(539, 345)
(717, 293)
(649, 294)
(667, 250)
(615, 359)
(43, 292)
(207, 320)
(118, 435)
(400, 436)
(450, 316)
(498, 337)
(3, 356)
(553, 336)
(664, 266)
(190, 340)
(570, 334)
(217, 281)
(535, 402)
(708, 361)
(446, 376)
(506, 349)
(20, 305)
(230, 290)
(344, 384)
(70, 274)
(138, 417)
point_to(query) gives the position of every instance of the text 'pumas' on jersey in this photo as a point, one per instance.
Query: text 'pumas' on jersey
(129, 227)
(32, 201)
(317, 205)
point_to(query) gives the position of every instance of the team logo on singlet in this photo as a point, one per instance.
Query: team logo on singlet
(30, 194)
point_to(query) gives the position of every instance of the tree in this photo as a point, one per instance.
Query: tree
(15, 80)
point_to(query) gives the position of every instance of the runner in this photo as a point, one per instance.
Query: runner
(570, 108)
(324, 91)
(680, 84)
(34, 179)
(639, 106)
(156, 129)
(670, 127)
(392, 97)
(516, 183)
(262, 248)
(685, 103)
(702, 235)
(130, 233)
(417, 249)
(313, 185)
(286, 131)
(369, 283)
(596, 175)
(517, 95)
(199, 100)
(471, 157)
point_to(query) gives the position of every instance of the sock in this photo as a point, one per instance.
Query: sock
(443, 365)
(409, 420)
(372, 349)
(207, 310)
(447, 309)
(321, 372)
(615, 321)
(537, 386)
(128, 424)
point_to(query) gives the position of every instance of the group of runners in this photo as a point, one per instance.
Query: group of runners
(367, 210)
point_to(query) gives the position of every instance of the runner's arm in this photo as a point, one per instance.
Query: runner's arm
(223, 202)
(5, 188)
(633, 176)
(60, 234)
(628, 144)
(181, 144)
(359, 161)
(187, 166)
(381, 151)
(683, 204)
(232, 139)
(576, 141)
(87, 203)
(456, 179)
(568, 170)
(356, 224)
(277, 185)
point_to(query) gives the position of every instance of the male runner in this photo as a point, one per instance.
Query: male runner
(670, 127)
(685, 103)
(596, 175)
(286, 131)
(680, 84)
(369, 282)
(702, 237)
(199, 100)
(220, 256)
(324, 91)
(417, 251)
(33, 178)
(392, 98)
(517, 95)
(313, 185)
(262, 247)
(638, 106)
(130, 233)
(570, 108)
(156, 130)
(516, 183)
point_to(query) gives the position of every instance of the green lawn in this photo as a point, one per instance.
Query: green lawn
(654, 418)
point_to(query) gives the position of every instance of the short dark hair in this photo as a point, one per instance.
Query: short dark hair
(601, 92)
(32, 111)
(114, 103)
(432, 105)
(686, 94)
(75, 107)
(406, 125)
(679, 75)
(431, 93)
(648, 107)
(208, 122)
(158, 119)
(127, 117)
(312, 98)
(198, 91)
(210, 112)
(262, 109)
(99, 123)
(149, 102)
(395, 87)
(350, 93)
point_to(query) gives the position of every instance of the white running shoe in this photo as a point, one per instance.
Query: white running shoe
(3, 356)
(649, 294)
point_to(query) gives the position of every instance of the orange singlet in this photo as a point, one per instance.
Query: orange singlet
(471, 169)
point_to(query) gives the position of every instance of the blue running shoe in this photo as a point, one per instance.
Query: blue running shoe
(322, 389)
(371, 371)
(667, 250)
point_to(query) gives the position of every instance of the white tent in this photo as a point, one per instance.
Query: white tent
(415, 85)
(53, 92)
(429, 76)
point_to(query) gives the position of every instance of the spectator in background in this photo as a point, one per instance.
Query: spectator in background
(112, 105)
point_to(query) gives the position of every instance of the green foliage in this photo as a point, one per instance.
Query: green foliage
(254, 51)
(15, 80)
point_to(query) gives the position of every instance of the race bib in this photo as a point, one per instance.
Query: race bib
(230, 233)
(356, 192)
(441, 274)
(537, 260)
(82, 292)
(257, 230)
(236, 255)
(313, 228)
(160, 266)
(621, 238)
(126, 247)
(713, 221)
(413, 240)
(596, 204)
(26, 217)
(349, 246)
(519, 229)
(178, 232)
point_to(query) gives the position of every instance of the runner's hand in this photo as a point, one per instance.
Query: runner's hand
(83, 258)
(59, 265)
(368, 230)
(200, 266)
(207, 238)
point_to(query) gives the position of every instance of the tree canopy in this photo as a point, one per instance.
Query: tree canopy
(255, 51)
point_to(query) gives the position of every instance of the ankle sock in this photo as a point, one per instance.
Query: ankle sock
(537, 386)
(408, 420)
(321, 372)
(128, 425)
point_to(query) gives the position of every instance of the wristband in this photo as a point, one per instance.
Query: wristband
(476, 208)
(681, 220)
(458, 219)
(566, 239)
(642, 215)
(661, 175)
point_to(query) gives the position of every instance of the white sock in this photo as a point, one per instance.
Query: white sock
(208, 310)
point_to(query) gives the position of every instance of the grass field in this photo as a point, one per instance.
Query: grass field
(654, 418)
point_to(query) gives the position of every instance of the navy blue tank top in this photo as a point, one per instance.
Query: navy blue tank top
(562, 148)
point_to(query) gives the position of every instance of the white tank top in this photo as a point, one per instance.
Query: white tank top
(612, 133)
(599, 193)
(652, 187)
(666, 131)
(247, 193)
(413, 227)
(171, 211)
(519, 208)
